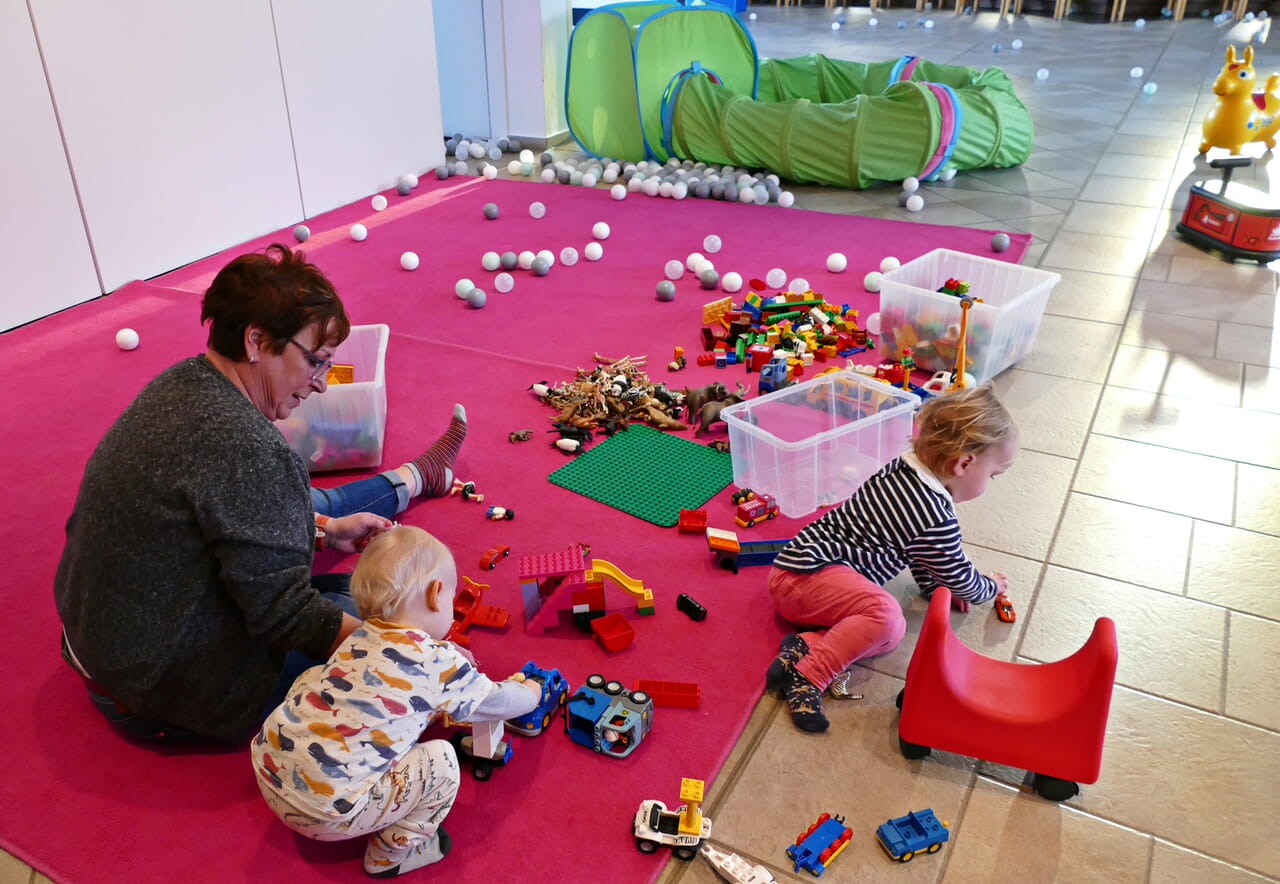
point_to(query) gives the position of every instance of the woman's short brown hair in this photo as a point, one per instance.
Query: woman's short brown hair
(277, 290)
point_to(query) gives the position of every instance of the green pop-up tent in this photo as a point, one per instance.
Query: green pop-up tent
(656, 80)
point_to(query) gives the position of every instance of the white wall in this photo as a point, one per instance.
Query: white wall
(363, 93)
(463, 61)
(46, 263)
(190, 127)
(535, 43)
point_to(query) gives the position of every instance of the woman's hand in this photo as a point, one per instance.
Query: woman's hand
(352, 533)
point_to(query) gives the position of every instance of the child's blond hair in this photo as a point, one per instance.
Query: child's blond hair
(967, 421)
(400, 560)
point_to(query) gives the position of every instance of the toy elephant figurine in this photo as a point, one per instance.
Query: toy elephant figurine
(1241, 115)
(710, 412)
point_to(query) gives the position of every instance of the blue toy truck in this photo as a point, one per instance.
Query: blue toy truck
(917, 832)
(819, 845)
(601, 715)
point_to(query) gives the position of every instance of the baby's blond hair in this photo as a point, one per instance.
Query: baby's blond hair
(401, 560)
(967, 421)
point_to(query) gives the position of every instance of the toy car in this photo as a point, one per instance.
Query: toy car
(603, 716)
(1004, 609)
(683, 829)
(493, 555)
(820, 844)
(917, 832)
(555, 692)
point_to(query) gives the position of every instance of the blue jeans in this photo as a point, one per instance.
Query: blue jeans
(383, 495)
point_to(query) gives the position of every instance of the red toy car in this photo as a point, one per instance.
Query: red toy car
(493, 555)
(1004, 609)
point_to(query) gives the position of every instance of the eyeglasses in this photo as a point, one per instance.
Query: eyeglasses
(321, 366)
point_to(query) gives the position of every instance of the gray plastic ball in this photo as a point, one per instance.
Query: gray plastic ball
(476, 298)
(508, 260)
(403, 188)
(709, 279)
(564, 176)
(442, 172)
(999, 242)
(540, 266)
(514, 145)
(666, 290)
(302, 233)
(491, 211)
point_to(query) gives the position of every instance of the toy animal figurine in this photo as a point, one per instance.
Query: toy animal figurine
(710, 412)
(1241, 115)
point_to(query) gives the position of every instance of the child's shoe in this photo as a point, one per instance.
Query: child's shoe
(790, 649)
(804, 702)
(379, 864)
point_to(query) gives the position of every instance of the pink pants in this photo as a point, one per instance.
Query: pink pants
(862, 619)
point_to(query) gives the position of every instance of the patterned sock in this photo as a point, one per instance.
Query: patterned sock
(790, 649)
(379, 863)
(804, 702)
(435, 465)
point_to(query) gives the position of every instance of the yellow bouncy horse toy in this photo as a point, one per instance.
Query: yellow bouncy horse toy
(1242, 115)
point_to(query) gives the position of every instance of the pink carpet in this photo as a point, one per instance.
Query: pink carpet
(83, 806)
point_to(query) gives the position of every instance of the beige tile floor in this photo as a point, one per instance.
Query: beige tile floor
(1148, 491)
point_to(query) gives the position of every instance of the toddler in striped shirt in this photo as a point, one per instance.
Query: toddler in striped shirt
(830, 577)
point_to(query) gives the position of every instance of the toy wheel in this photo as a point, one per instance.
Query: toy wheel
(595, 681)
(491, 565)
(898, 700)
(646, 846)
(546, 720)
(481, 772)
(684, 853)
(913, 751)
(613, 688)
(640, 697)
(771, 516)
(1053, 788)
(934, 848)
(907, 857)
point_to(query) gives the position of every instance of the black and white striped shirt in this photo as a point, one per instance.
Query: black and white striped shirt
(901, 517)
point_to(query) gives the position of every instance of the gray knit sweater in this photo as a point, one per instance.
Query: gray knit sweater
(186, 573)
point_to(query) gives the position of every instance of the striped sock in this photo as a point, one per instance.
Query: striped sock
(435, 465)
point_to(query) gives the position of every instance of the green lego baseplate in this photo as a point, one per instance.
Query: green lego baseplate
(647, 473)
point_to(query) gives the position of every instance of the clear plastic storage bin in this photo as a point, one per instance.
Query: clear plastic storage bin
(1002, 329)
(344, 427)
(813, 443)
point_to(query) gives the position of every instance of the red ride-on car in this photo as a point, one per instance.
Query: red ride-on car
(493, 555)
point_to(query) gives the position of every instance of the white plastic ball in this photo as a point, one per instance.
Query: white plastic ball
(358, 232)
(490, 171)
(799, 285)
(679, 190)
(127, 339)
(1149, 89)
(711, 243)
(786, 199)
(379, 203)
(462, 286)
(409, 260)
(911, 185)
(504, 282)
(588, 180)
(513, 167)
(693, 260)
(871, 282)
(568, 256)
(600, 230)
(667, 189)
(731, 282)
(751, 17)
(1140, 23)
(526, 156)
(673, 269)
(1016, 45)
(549, 255)
(490, 261)
(635, 183)
(476, 149)
(459, 168)
(1042, 74)
(836, 262)
(618, 192)
(889, 264)
(410, 179)
(915, 203)
(1135, 73)
(537, 210)
(548, 175)
(524, 260)
(593, 251)
(873, 323)
(775, 278)
(747, 196)
(872, 22)
(947, 173)
(928, 25)
(651, 186)
(835, 26)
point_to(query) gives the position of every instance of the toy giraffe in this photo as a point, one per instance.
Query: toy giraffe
(962, 359)
(1241, 115)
